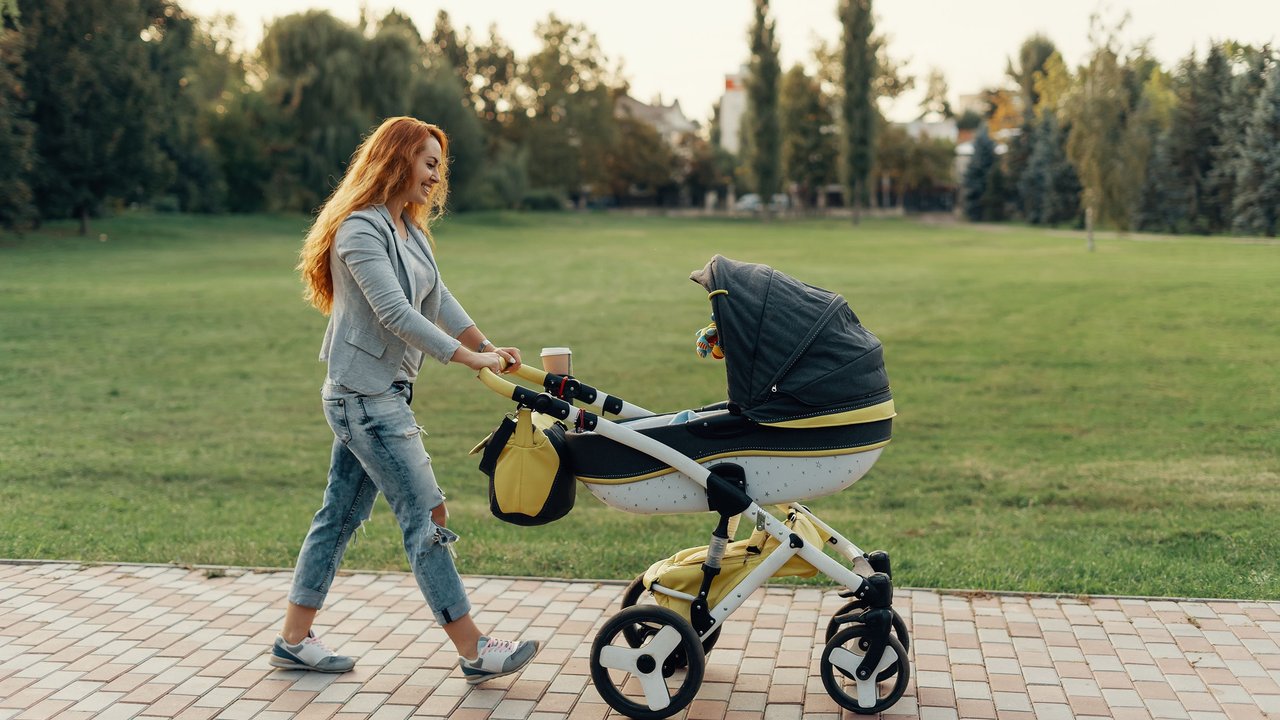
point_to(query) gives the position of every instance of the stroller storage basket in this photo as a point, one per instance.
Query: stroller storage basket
(682, 572)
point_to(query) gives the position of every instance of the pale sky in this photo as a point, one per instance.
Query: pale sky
(682, 49)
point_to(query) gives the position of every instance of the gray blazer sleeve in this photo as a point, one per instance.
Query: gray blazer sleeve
(364, 252)
(452, 317)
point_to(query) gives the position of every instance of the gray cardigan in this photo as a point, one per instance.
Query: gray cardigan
(373, 321)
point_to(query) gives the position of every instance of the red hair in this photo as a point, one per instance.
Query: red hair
(381, 168)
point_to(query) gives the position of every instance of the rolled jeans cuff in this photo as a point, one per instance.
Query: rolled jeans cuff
(446, 615)
(307, 598)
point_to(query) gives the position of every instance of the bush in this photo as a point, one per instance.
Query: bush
(544, 200)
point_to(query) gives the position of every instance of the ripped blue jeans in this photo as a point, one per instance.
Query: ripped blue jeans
(377, 447)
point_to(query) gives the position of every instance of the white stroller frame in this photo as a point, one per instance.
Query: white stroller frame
(862, 580)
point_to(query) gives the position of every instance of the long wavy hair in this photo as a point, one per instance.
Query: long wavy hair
(380, 169)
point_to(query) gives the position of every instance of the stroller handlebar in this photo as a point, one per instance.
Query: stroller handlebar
(565, 388)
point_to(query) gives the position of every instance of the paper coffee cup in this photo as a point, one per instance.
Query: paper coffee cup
(557, 360)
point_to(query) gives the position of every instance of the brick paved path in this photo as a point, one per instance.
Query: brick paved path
(122, 641)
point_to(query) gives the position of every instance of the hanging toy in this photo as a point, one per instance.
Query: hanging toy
(708, 342)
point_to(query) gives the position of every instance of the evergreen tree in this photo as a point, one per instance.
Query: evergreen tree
(1193, 141)
(762, 106)
(1162, 206)
(858, 108)
(1242, 97)
(994, 194)
(976, 174)
(1213, 86)
(17, 158)
(1256, 209)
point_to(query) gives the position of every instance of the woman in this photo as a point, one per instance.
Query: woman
(368, 263)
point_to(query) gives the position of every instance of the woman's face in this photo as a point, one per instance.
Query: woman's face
(426, 171)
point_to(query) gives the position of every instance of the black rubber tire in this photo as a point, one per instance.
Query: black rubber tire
(689, 650)
(637, 634)
(834, 682)
(899, 625)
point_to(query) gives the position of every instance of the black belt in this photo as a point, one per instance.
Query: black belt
(408, 386)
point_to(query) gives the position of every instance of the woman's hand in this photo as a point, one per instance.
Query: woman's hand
(479, 361)
(512, 356)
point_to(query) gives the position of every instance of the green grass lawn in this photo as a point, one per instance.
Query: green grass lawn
(1068, 422)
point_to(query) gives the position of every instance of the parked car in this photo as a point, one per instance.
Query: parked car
(751, 202)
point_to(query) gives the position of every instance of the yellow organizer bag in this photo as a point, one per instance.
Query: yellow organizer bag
(530, 478)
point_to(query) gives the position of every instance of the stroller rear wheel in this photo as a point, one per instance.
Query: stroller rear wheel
(848, 614)
(643, 681)
(637, 634)
(840, 660)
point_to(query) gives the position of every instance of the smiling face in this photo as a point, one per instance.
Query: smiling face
(425, 170)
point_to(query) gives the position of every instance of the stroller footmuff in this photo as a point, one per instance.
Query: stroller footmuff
(809, 411)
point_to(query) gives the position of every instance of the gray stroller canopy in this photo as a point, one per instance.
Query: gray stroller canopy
(792, 351)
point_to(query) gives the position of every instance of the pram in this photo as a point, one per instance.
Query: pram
(808, 414)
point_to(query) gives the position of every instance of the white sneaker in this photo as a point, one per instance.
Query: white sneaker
(310, 654)
(497, 658)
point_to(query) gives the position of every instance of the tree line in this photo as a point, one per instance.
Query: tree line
(1122, 141)
(111, 103)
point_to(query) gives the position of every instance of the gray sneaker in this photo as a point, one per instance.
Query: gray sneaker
(310, 654)
(497, 658)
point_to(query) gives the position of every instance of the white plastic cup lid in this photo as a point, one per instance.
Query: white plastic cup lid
(556, 351)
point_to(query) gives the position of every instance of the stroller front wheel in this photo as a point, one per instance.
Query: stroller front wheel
(642, 682)
(848, 614)
(844, 653)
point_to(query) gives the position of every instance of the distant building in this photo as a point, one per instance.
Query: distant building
(733, 106)
(668, 120)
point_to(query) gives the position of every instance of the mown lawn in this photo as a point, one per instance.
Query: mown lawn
(1068, 422)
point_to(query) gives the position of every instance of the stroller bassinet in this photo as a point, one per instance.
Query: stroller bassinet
(809, 404)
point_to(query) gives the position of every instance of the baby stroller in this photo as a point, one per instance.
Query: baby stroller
(808, 414)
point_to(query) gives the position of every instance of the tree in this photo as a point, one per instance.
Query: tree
(567, 88)
(92, 103)
(317, 85)
(640, 164)
(1095, 107)
(935, 100)
(1144, 128)
(447, 45)
(1256, 209)
(976, 175)
(762, 106)
(1246, 86)
(1032, 56)
(807, 144)
(1049, 189)
(1213, 86)
(16, 130)
(494, 82)
(859, 112)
